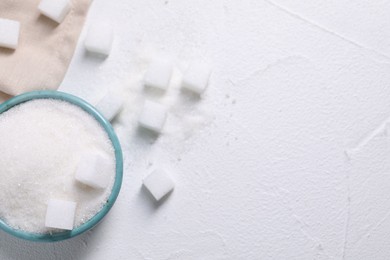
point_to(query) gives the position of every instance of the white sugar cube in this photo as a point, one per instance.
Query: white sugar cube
(9, 33)
(196, 78)
(93, 171)
(110, 105)
(99, 38)
(153, 116)
(159, 74)
(55, 9)
(159, 183)
(60, 214)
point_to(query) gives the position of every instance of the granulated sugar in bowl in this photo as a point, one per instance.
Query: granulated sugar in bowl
(61, 166)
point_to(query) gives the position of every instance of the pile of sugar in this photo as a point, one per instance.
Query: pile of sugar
(41, 143)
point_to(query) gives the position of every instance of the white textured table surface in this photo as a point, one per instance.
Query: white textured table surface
(264, 173)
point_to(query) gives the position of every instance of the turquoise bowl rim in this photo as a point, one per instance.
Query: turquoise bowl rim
(49, 94)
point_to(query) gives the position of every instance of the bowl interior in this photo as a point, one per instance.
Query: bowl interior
(118, 157)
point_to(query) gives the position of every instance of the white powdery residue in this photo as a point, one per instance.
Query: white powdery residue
(41, 145)
(125, 124)
(187, 113)
(183, 125)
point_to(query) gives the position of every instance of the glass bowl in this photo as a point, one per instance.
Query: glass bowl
(59, 236)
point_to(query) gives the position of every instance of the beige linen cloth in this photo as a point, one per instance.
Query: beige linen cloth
(45, 47)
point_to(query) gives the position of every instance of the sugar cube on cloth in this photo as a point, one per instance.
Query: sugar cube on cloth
(55, 9)
(159, 183)
(45, 48)
(60, 214)
(9, 33)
